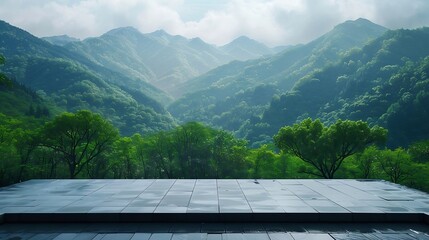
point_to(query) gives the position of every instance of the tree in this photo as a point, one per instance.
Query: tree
(191, 142)
(79, 138)
(325, 148)
(396, 164)
(419, 151)
(263, 160)
(124, 163)
(367, 160)
(228, 155)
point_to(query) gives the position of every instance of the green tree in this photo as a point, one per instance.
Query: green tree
(396, 164)
(419, 151)
(263, 160)
(367, 160)
(161, 152)
(79, 138)
(325, 148)
(124, 163)
(191, 142)
(228, 155)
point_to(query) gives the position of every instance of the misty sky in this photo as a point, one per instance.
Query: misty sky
(273, 22)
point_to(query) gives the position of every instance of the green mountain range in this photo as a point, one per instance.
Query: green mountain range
(161, 59)
(385, 83)
(74, 82)
(359, 71)
(224, 96)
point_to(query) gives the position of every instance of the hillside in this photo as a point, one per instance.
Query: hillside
(17, 100)
(384, 83)
(214, 96)
(73, 82)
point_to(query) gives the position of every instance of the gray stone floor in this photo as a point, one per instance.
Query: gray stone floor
(244, 200)
(211, 196)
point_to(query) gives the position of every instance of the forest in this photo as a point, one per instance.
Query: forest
(85, 145)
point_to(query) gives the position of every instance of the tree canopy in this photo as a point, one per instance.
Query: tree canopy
(325, 148)
(79, 137)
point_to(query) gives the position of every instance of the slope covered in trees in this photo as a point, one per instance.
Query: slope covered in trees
(224, 92)
(74, 82)
(384, 83)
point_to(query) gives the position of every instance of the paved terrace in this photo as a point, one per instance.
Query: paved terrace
(186, 200)
(212, 209)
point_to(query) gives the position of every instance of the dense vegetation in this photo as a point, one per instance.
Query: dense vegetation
(384, 83)
(84, 145)
(217, 94)
(73, 82)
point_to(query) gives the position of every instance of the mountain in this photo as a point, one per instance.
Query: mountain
(385, 83)
(158, 58)
(60, 40)
(213, 96)
(74, 82)
(161, 59)
(285, 68)
(244, 48)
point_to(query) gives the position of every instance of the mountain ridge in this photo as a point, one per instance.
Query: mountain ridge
(158, 58)
(208, 93)
(74, 82)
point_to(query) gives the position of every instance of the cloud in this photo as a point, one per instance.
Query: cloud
(274, 22)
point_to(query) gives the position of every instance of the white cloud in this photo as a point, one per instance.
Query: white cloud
(273, 22)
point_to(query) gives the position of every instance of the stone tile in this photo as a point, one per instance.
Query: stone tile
(311, 236)
(141, 236)
(189, 236)
(161, 236)
(117, 236)
(280, 236)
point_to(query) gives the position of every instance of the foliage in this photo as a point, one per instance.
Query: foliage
(79, 138)
(235, 96)
(419, 151)
(396, 164)
(327, 147)
(70, 82)
(385, 83)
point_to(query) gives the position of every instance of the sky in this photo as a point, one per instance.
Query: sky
(273, 22)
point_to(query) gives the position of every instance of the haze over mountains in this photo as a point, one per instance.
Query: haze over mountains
(150, 82)
(159, 58)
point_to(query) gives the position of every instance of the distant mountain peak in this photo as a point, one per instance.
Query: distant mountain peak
(122, 30)
(243, 40)
(360, 23)
(244, 48)
(60, 40)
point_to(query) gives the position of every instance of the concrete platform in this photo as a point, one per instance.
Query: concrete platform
(185, 200)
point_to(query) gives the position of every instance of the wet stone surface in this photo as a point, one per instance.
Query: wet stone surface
(211, 196)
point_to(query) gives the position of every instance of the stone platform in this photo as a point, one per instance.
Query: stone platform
(184, 200)
(212, 209)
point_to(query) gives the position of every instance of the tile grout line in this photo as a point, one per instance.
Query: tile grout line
(153, 181)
